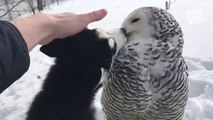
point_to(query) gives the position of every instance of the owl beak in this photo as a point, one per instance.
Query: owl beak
(126, 33)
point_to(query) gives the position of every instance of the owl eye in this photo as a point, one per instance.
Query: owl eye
(135, 20)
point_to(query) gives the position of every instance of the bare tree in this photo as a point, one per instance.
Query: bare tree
(40, 5)
(31, 6)
(14, 8)
(8, 9)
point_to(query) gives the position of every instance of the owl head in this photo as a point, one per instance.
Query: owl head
(154, 23)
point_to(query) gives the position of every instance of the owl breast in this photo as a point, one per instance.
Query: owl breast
(146, 83)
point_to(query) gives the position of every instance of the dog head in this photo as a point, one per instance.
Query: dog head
(87, 47)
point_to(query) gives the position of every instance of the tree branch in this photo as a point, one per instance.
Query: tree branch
(11, 8)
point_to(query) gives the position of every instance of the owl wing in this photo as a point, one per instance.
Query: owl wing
(127, 92)
(169, 85)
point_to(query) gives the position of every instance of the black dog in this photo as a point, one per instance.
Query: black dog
(69, 89)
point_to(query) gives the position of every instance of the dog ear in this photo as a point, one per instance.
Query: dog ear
(50, 49)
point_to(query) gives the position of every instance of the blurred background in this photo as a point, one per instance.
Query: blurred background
(10, 9)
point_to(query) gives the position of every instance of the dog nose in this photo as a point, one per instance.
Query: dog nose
(124, 31)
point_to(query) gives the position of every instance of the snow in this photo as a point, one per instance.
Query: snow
(195, 17)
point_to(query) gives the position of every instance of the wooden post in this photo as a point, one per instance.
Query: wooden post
(168, 4)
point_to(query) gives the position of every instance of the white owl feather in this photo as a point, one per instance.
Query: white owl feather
(148, 79)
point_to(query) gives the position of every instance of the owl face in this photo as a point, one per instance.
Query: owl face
(136, 24)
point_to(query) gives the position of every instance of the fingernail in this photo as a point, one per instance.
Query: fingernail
(104, 11)
(101, 11)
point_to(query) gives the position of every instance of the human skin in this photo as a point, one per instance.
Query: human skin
(43, 28)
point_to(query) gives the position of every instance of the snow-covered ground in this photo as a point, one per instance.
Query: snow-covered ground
(195, 17)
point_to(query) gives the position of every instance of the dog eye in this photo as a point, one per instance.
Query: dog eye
(135, 20)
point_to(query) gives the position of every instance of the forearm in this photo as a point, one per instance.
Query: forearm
(35, 29)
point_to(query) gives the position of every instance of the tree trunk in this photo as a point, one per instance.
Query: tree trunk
(30, 3)
(40, 5)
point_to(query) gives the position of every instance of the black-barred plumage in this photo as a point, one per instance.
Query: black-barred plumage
(148, 79)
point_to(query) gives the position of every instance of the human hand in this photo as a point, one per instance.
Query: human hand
(67, 24)
(43, 28)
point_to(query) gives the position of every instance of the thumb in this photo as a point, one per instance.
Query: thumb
(94, 16)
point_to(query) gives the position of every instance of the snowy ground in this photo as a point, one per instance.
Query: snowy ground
(195, 17)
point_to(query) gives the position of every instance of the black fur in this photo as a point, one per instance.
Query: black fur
(69, 89)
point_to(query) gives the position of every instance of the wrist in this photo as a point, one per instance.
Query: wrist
(48, 26)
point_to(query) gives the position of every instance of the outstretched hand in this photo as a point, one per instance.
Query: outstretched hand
(43, 28)
(71, 23)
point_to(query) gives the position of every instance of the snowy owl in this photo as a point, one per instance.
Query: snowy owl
(148, 79)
